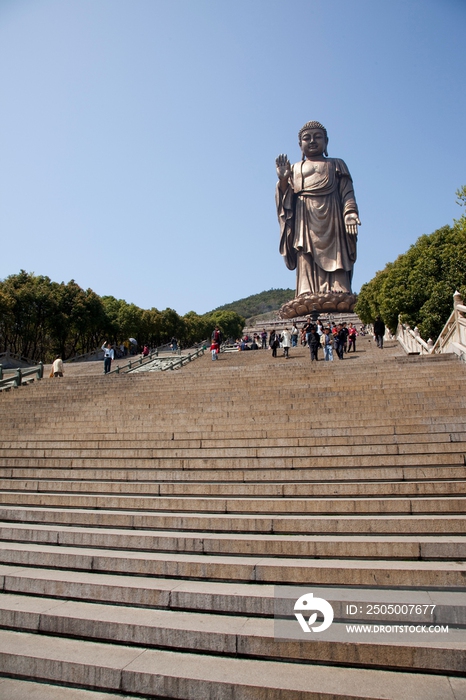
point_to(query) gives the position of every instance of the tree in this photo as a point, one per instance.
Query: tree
(420, 284)
(230, 323)
(29, 301)
(195, 328)
(258, 304)
(40, 318)
(461, 196)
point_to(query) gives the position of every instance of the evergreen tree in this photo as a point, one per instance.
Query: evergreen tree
(420, 284)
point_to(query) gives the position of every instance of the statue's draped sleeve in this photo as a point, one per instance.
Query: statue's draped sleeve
(285, 211)
(348, 203)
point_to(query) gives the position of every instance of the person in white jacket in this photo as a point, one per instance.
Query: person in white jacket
(286, 342)
(57, 367)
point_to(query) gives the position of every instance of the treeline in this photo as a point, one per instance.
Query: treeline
(420, 284)
(40, 318)
(258, 304)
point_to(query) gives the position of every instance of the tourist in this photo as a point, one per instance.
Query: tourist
(314, 343)
(57, 367)
(286, 342)
(294, 336)
(307, 328)
(109, 355)
(352, 335)
(214, 349)
(344, 334)
(339, 338)
(217, 335)
(379, 331)
(328, 345)
(274, 342)
(264, 340)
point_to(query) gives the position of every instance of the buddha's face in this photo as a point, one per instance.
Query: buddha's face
(313, 142)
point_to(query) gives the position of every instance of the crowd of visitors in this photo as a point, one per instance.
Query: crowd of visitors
(335, 339)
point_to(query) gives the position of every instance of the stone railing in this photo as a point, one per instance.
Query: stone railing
(11, 360)
(453, 336)
(172, 360)
(20, 376)
(169, 361)
(411, 341)
(451, 339)
(92, 354)
(135, 362)
(183, 360)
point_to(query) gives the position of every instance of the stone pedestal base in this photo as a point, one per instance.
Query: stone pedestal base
(329, 302)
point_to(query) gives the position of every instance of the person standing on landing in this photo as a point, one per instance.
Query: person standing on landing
(352, 335)
(109, 355)
(314, 343)
(286, 342)
(328, 345)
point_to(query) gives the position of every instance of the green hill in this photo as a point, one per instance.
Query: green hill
(258, 304)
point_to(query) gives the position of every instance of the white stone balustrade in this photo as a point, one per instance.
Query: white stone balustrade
(452, 339)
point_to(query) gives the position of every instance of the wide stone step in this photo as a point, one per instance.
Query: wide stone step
(184, 676)
(240, 523)
(283, 571)
(261, 476)
(420, 504)
(254, 441)
(310, 546)
(454, 455)
(247, 599)
(225, 376)
(247, 435)
(227, 635)
(417, 425)
(284, 451)
(229, 421)
(389, 489)
(325, 417)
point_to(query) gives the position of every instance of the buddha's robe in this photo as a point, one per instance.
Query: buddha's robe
(313, 235)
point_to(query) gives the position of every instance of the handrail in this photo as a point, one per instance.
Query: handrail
(21, 376)
(452, 337)
(411, 341)
(170, 364)
(16, 356)
(139, 361)
(76, 358)
(184, 360)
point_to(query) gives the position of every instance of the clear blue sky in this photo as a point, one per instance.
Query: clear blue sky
(138, 137)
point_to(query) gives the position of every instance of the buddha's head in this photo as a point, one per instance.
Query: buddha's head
(313, 140)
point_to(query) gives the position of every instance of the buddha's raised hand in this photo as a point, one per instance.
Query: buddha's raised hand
(283, 166)
(351, 223)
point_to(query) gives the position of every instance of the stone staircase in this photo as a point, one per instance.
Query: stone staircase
(148, 519)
